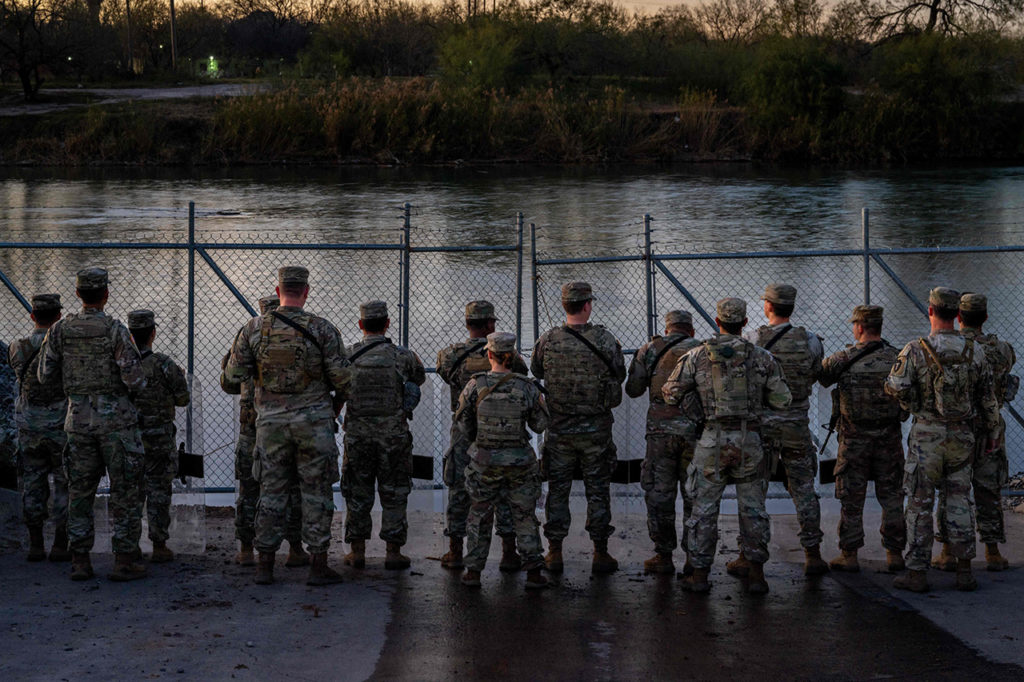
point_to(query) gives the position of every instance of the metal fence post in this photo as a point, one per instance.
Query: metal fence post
(649, 275)
(406, 260)
(191, 318)
(14, 290)
(867, 256)
(533, 278)
(519, 281)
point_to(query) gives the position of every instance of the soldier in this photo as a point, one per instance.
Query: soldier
(456, 365)
(166, 389)
(945, 382)
(990, 469)
(787, 434)
(870, 439)
(378, 444)
(8, 429)
(39, 414)
(297, 360)
(671, 434)
(100, 369)
(249, 487)
(735, 382)
(494, 410)
(582, 367)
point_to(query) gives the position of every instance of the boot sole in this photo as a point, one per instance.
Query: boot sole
(604, 570)
(321, 582)
(397, 565)
(79, 577)
(702, 589)
(125, 577)
(845, 569)
(161, 560)
(996, 568)
(738, 572)
(912, 589)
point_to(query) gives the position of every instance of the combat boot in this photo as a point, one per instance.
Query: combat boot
(510, 561)
(894, 561)
(394, 560)
(161, 554)
(814, 564)
(687, 567)
(297, 556)
(738, 567)
(697, 581)
(945, 561)
(453, 558)
(915, 581)
(319, 572)
(603, 561)
(245, 556)
(660, 563)
(756, 584)
(59, 551)
(81, 566)
(126, 568)
(357, 557)
(471, 578)
(996, 561)
(265, 569)
(553, 559)
(36, 548)
(846, 562)
(534, 580)
(965, 580)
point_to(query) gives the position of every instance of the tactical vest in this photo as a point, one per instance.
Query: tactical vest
(576, 379)
(794, 354)
(34, 392)
(730, 379)
(952, 380)
(377, 388)
(862, 398)
(155, 404)
(474, 363)
(286, 362)
(668, 361)
(501, 414)
(990, 343)
(88, 365)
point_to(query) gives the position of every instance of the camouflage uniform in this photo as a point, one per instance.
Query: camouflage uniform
(494, 411)
(735, 381)
(378, 443)
(870, 440)
(582, 391)
(39, 415)
(295, 415)
(166, 389)
(100, 369)
(8, 429)
(787, 433)
(671, 434)
(942, 438)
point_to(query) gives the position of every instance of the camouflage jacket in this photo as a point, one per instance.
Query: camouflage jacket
(644, 376)
(25, 356)
(166, 388)
(402, 366)
(1000, 356)
(246, 391)
(323, 369)
(96, 413)
(863, 404)
(457, 376)
(8, 390)
(811, 367)
(519, 404)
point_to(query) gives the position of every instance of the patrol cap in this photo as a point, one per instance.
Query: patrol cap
(870, 314)
(91, 278)
(731, 310)
(45, 302)
(972, 302)
(268, 303)
(140, 319)
(293, 274)
(373, 310)
(480, 310)
(944, 297)
(678, 317)
(501, 342)
(783, 294)
(573, 292)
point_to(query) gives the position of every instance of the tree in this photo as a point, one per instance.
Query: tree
(34, 35)
(733, 21)
(887, 18)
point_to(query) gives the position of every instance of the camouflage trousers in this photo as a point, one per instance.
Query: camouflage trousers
(594, 453)
(384, 459)
(863, 456)
(161, 465)
(519, 489)
(724, 456)
(663, 474)
(990, 473)
(302, 450)
(120, 455)
(39, 454)
(789, 442)
(938, 456)
(249, 496)
(455, 462)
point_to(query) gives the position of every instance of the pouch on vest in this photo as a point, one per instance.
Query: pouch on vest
(862, 398)
(729, 383)
(377, 387)
(500, 418)
(794, 354)
(283, 361)
(88, 363)
(952, 380)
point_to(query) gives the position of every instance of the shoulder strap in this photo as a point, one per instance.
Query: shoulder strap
(299, 328)
(778, 335)
(484, 392)
(380, 342)
(145, 354)
(862, 353)
(931, 355)
(466, 353)
(666, 348)
(593, 348)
